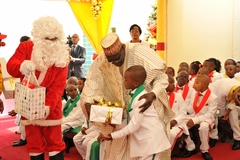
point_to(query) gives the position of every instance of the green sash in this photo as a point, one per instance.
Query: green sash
(133, 96)
(67, 109)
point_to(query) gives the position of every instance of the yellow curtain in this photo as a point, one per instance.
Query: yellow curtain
(161, 27)
(94, 29)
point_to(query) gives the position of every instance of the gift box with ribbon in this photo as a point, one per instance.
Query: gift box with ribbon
(9, 87)
(106, 112)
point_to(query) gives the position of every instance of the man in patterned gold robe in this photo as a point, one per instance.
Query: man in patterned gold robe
(105, 80)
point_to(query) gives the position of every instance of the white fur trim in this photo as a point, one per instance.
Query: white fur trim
(42, 122)
(47, 111)
(53, 153)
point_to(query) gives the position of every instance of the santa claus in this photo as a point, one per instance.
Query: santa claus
(47, 55)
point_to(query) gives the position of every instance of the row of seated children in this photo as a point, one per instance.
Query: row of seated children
(211, 68)
(200, 110)
(73, 116)
(74, 119)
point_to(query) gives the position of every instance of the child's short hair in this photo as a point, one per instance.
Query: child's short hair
(138, 73)
(70, 85)
(72, 80)
(82, 78)
(204, 78)
(171, 68)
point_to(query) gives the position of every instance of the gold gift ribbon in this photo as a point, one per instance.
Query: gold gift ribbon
(111, 105)
(12, 83)
(108, 119)
(103, 102)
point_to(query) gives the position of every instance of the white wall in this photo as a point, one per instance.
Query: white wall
(198, 30)
(17, 17)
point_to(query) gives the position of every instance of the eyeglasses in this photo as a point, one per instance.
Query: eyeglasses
(134, 30)
(181, 77)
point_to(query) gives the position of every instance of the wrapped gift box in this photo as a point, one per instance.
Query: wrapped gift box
(9, 87)
(104, 114)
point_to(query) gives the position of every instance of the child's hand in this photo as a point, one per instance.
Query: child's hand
(83, 130)
(190, 123)
(12, 113)
(172, 123)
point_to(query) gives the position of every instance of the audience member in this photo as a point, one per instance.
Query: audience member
(182, 86)
(214, 67)
(77, 58)
(80, 85)
(170, 71)
(193, 70)
(177, 104)
(230, 71)
(135, 32)
(84, 139)
(73, 116)
(202, 111)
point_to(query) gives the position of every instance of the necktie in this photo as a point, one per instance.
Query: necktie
(73, 49)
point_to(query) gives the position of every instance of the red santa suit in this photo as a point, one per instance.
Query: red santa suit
(54, 81)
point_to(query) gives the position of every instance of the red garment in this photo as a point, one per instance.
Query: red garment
(54, 81)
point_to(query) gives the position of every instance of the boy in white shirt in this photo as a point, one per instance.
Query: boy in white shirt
(177, 124)
(202, 111)
(183, 87)
(145, 128)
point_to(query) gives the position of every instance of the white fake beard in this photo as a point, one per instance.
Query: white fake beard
(47, 53)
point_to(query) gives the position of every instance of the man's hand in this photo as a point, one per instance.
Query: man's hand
(190, 123)
(173, 123)
(83, 130)
(149, 99)
(101, 137)
(71, 58)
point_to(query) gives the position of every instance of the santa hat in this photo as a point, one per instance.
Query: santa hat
(111, 44)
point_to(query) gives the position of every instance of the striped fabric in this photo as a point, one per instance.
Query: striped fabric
(106, 80)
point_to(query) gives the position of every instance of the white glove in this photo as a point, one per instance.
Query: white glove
(26, 67)
(47, 111)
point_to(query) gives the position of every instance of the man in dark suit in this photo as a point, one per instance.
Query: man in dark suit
(77, 58)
